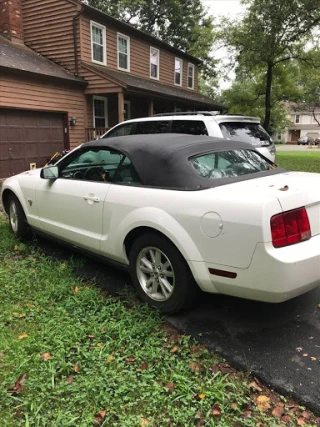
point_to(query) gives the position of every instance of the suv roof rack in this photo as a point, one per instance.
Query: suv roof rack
(190, 113)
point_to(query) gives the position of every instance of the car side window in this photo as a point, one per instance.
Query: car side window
(191, 127)
(121, 130)
(100, 165)
(157, 126)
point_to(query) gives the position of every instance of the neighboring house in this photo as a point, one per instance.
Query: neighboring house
(69, 72)
(303, 123)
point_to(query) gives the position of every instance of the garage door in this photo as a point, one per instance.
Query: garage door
(28, 139)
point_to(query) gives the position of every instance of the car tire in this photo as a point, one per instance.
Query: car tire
(160, 274)
(17, 219)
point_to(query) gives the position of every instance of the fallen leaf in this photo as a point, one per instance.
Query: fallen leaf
(45, 356)
(246, 413)
(99, 344)
(110, 359)
(278, 411)
(254, 385)
(144, 422)
(144, 366)
(197, 348)
(130, 359)
(225, 368)
(175, 349)
(318, 305)
(285, 188)
(17, 387)
(215, 410)
(305, 354)
(69, 379)
(306, 415)
(99, 416)
(75, 289)
(202, 395)
(300, 421)
(313, 358)
(263, 403)
(234, 406)
(285, 418)
(194, 367)
(299, 349)
(23, 336)
(170, 387)
(76, 368)
(91, 337)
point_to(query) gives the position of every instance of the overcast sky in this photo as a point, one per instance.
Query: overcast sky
(217, 8)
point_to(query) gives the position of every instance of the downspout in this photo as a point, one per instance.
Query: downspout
(76, 61)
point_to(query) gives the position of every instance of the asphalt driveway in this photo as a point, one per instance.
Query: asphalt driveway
(279, 343)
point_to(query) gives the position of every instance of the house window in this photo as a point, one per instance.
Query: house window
(154, 63)
(178, 71)
(98, 43)
(123, 52)
(297, 118)
(190, 76)
(100, 112)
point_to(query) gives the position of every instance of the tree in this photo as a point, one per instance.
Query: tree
(308, 81)
(247, 94)
(272, 33)
(181, 23)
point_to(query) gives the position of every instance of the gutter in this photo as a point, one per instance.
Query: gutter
(76, 16)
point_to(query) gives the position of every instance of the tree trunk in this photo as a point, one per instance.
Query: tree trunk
(267, 117)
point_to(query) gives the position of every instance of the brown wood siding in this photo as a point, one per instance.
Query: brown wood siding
(97, 84)
(33, 94)
(139, 54)
(48, 29)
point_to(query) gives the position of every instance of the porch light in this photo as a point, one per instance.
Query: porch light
(73, 121)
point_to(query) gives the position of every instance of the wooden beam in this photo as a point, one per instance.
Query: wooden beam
(120, 107)
(150, 108)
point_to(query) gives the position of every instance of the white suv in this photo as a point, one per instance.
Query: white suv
(237, 127)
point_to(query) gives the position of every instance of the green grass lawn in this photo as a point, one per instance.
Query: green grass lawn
(306, 161)
(71, 355)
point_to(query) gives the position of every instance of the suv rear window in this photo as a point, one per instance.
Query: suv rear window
(191, 127)
(252, 133)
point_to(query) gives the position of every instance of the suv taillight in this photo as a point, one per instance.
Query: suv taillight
(290, 227)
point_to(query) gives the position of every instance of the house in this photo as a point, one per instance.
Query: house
(302, 123)
(68, 72)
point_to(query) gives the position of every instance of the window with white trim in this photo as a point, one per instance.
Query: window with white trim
(100, 112)
(154, 63)
(190, 76)
(123, 52)
(297, 118)
(98, 43)
(178, 71)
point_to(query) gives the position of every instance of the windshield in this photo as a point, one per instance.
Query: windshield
(252, 133)
(229, 164)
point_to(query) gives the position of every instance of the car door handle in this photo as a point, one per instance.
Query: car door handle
(92, 199)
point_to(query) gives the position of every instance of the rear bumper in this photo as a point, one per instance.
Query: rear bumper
(274, 275)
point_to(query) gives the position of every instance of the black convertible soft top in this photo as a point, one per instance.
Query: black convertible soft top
(162, 160)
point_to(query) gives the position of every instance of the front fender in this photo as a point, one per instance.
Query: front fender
(161, 221)
(13, 186)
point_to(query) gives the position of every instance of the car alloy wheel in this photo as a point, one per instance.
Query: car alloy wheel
(155, 273)
(160, 273)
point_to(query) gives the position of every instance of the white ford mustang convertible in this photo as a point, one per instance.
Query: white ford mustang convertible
(180, 213)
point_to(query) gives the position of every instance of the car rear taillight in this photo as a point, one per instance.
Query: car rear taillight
(290, 227)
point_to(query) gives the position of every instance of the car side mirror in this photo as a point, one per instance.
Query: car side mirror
(50, 172)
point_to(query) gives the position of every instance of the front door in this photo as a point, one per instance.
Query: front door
(72, 207)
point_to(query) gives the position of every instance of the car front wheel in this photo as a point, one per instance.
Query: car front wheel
(17, 218)
(160, 274)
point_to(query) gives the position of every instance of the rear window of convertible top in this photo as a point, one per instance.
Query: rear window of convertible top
(230, 163)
